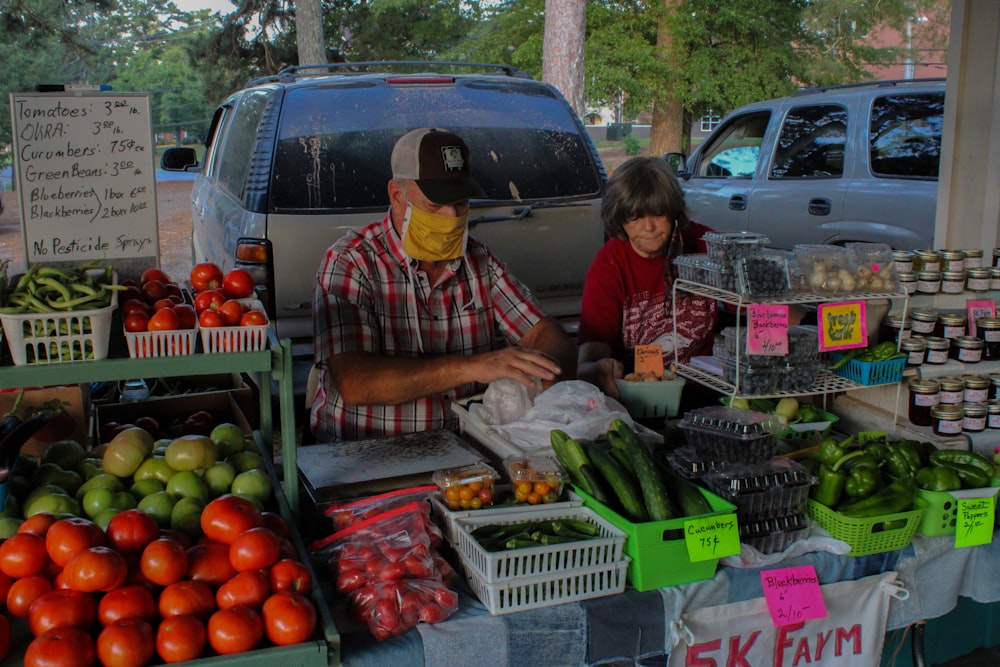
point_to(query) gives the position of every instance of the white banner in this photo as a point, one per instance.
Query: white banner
(742, 634)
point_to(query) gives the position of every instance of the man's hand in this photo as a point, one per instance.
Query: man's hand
(520, 364)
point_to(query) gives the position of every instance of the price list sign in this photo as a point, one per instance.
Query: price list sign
(85, 169)
(793, 594)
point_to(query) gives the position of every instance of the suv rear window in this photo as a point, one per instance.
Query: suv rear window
(905, 135)
(812, 142)
(335, 141)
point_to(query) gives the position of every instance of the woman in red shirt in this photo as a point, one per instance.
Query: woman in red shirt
(628, 297)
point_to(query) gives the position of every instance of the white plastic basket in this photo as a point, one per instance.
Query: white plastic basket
(146, 344)
(238, 338)
(498, 566)
(53, 338)
(445, 517)
(550, 589)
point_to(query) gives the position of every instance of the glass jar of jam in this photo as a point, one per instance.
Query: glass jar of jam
(995, 278)
(952, 282)
(996, 256)
(907, 281)
(929, 282)
(974, 417)
(927, 260)
(967, 349)
(893, 328)
(937, 350)
(953, 260)
(947, 419)
(924, 395)
(915, 349)
(994, 386)
(952, 390)
(922, 321)
(973, 258)
(993, 414)
(950, 325)
(978, 279)
(903, 260)
(988, 328)
(977, 388)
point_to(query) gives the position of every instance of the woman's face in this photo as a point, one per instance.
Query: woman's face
(649, 235)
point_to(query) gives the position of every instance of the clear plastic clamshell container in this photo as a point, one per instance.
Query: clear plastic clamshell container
(764, 275)
(776, 487)
(699, 269)
(731, 435)
(728, 248)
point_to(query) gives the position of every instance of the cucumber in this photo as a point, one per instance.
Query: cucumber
(628, 496)
(598, 486)
(686, 495)
(654, 489)
(570, 454)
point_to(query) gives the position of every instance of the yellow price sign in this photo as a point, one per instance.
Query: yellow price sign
(842, 325)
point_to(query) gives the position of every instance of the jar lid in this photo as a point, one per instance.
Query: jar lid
(924, 386)
(908, 276)
(969, 342)
(938, 343)
(913, 345)
(895, 320)
(951, 383)
(951, 319)
(929, 275)
(953, 254)
(994, 378)
(953, 275)
(927, 253)
(924, 314)
(974, 409)
(994, 408)
(902, 255)
(973, 252)
(988, 322)
(979, 272)
(976, 381)
(948, 412)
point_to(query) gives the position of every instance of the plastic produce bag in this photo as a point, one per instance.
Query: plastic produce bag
(349, 512)
(391, 608)
(504, 401)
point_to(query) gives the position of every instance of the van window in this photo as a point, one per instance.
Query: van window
(905, 135)
(735, 152)
(335, 141)
(811, 144)
(240, 138)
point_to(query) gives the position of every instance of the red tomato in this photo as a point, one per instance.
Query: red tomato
(5, 639)
(211, 318)
(231, 312)
(180, 638)
(209, 563)
(126, 643)
(95, 569)
(165, 302)
(23, 555)
(237, 284)
(351, 580)
(253, 318)
(276, 523)
(250, 588)
(225, 517)
(153, 274)
(186, 315)
(38, 523)
(130, 292)
(254, 549)
(131, 530)
(235, 630)
(23, 592)
(206, 276)
(289, 618)
(186, 597)
(62, 647)
(66, 537)
(290, 575)
(209, 299)
(62, 607)
(153, 290)
(132, 601)
(164, 561)
(164, 319)
(136, 322)
(135, 306)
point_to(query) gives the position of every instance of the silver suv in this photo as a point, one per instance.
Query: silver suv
(295, 159)
(856, 162)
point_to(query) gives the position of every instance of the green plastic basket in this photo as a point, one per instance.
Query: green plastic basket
(871, 535)
(644, 400)
(870, 372)
(941, 514)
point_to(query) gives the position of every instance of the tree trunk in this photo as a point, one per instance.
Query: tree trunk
(562, 49)
(309, 32)
(666, 134)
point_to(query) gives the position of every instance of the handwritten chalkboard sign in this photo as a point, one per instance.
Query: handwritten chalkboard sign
(85, 169)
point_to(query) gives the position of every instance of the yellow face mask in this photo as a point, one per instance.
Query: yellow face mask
(431, 237)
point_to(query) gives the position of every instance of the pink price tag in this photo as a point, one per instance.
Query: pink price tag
(767, 329)
(793, 594)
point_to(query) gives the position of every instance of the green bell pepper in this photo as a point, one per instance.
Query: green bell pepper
(938, 478)
(891, 499)
(831, 450)
(897, 463)
(974, 469)
(877, 450)
(833, 480)
(862, 481)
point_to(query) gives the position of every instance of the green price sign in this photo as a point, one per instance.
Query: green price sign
(975, 521)
(712, 537)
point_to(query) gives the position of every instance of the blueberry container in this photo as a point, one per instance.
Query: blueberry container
(698, 269)
(753, 378)
(764, 275)
(803, 343)
(774, 535)
(728, 435)
(799, 376)
(736, 348)
(728, 248)
(773, 488)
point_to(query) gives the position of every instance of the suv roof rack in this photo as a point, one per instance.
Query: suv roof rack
(887, 83)
(292, 73)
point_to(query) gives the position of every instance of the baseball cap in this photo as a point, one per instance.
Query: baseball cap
(438, 161)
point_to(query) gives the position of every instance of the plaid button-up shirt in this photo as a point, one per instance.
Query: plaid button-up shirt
(369, 296)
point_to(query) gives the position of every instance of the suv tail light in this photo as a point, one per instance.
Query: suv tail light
(254, 256)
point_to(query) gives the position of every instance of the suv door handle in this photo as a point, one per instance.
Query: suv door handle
(820, 206)
(738, 203)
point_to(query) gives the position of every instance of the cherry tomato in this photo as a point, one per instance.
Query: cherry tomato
(206, 276)
(250, 588)
(253, 318)
(95, 569)
(131, 530)
(23, 555)
(62, 607)
(66, 537)
(126, 643)
(132, 601)
(290, 575)
(164, 561)
(254, 549)
(180, 638)
(235, 630)
(209, 563)
(186, 597)
(289, 618)
(225, 517)
(65, 647)
(237, 284)
(153, 274)
(23, 592)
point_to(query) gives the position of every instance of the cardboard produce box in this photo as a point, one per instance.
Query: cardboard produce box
(70, 424)
(170, 413)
